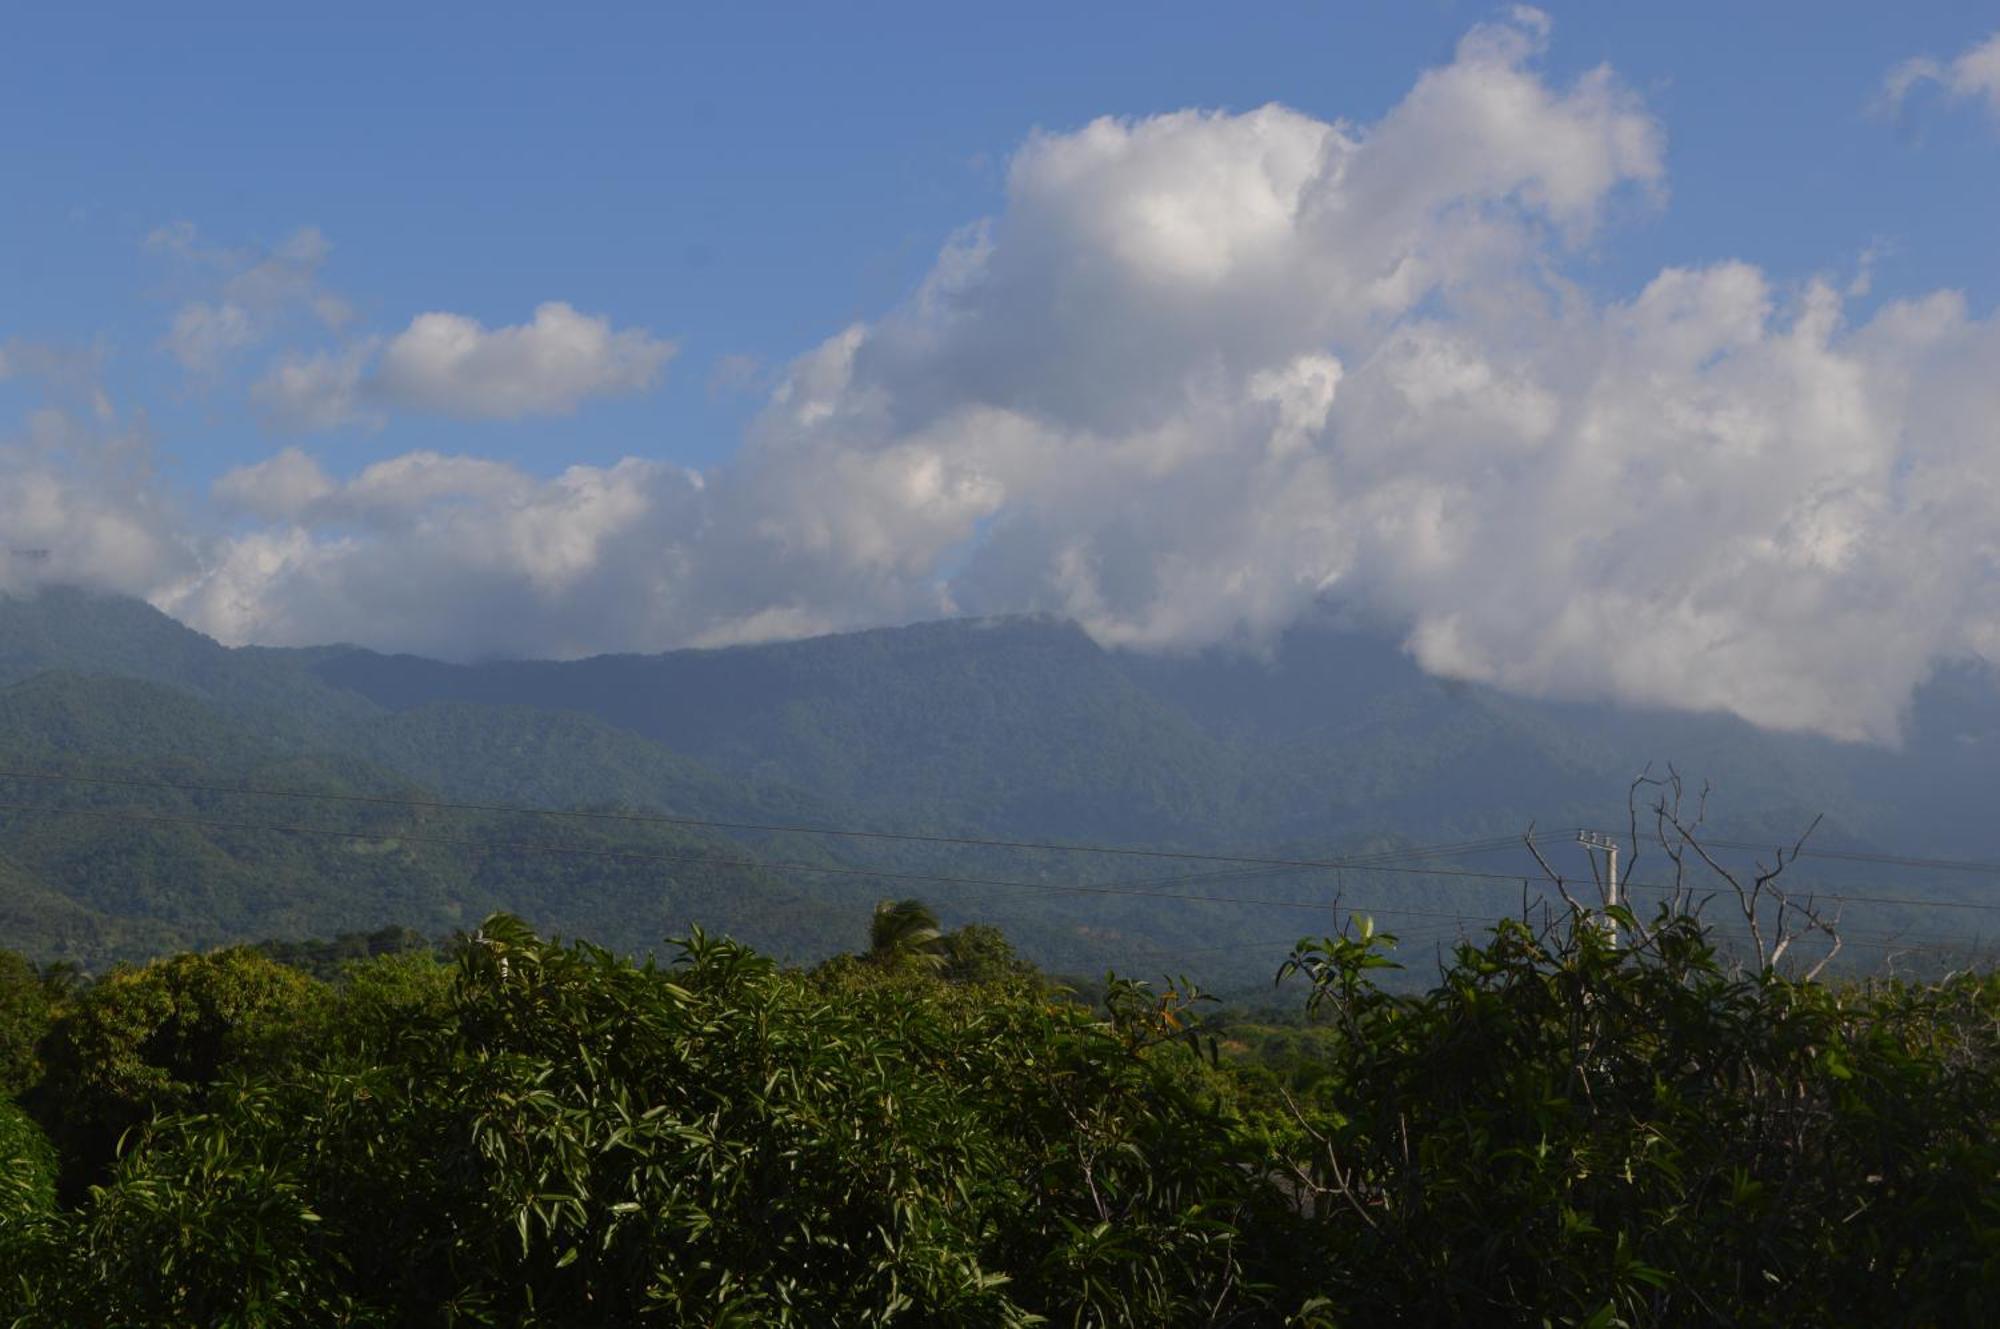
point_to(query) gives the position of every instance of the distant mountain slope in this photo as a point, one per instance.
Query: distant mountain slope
(1012, 725)
(558, 758)
(157, 872)
(1368, 739)
(1026, 726)
(155, 876)
(79, 631)
(1019, 728)
(562, 759)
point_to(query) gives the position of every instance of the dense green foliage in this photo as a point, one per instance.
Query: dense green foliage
(146, 1041)
(1559, 1132)
(904, 934)
(1616, 1139)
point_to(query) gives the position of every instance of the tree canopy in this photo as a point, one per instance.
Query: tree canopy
(525, 1132)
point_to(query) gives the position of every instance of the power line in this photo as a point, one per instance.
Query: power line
(1372, 863)
(698, 860)
(1000, 883)
(1431, 935)
(1363, 860)
(1858, 856)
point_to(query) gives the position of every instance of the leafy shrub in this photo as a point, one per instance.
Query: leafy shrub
(1569, 1131)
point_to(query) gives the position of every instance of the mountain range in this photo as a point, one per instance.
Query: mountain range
(1333, 744)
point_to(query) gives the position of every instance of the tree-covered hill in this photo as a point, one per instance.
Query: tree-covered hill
(1012, 725)
(119, 869)
(1332, 745)
(1026, 726)
(556, 757)
(66, 629)
(97, 872)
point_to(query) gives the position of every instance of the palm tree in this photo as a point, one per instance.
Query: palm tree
(905, 931)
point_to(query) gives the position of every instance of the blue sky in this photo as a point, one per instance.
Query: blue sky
(746, 179)
(1598, 350)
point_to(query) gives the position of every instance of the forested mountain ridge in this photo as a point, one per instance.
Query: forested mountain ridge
(559, 757)
(1332, 744)
(1014, 724)
(1025, 725)
(98, 871)
(176, 707)
(1021, 725)
(77, 631)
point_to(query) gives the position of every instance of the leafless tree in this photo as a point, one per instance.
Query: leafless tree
(1776, 920)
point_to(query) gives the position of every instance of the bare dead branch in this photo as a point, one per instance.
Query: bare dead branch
(1555, 878)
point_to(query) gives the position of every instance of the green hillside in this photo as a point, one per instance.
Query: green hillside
(1017, 725)
(79, 631)
(1023, 728)
(94, 873)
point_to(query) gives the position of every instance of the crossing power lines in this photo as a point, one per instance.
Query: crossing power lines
(1411, 861)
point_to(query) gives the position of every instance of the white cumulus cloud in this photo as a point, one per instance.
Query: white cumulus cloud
(450, 365)
(452, 555)
(447, 364)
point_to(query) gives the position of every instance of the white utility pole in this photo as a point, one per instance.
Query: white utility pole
(1592, 840)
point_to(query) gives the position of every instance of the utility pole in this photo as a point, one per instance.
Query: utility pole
(1592, 840)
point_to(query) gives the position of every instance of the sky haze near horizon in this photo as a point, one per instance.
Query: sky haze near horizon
(520, 331)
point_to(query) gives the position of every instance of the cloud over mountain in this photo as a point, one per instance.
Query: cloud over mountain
(1203, 372)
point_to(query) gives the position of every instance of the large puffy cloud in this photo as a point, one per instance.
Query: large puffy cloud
(447, 364)
(1207, 371)
(1135, 254)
